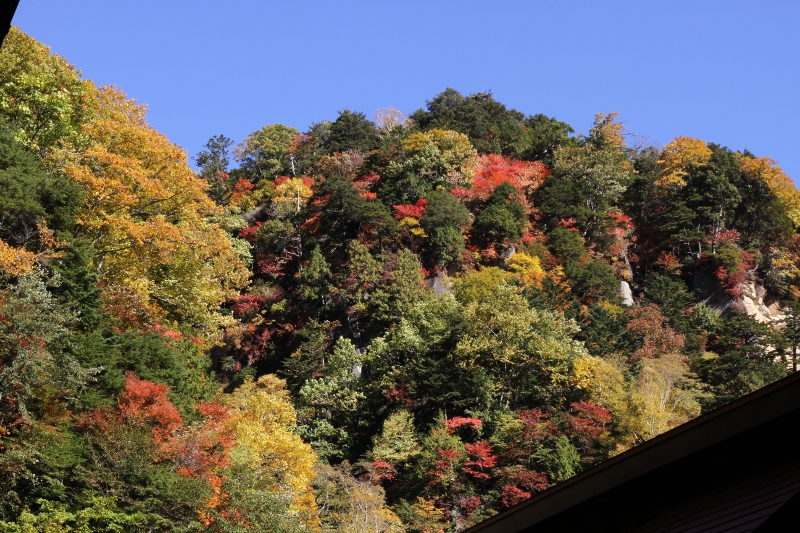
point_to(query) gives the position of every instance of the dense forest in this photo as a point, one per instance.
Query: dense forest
(407, 324)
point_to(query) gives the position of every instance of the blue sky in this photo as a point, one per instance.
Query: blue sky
(723, 71)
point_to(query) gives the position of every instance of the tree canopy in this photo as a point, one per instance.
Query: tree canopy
(408, 325)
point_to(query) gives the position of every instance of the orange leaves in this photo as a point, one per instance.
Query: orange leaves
(147, 216)
(241, 190)
(658, 338)
(492, 170)
(201, 451)
(138, 185)
(410, 210)
(458, 421)
(482, 460)
(15, 261)
(145, 402)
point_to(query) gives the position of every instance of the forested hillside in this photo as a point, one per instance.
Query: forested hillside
(401, 324)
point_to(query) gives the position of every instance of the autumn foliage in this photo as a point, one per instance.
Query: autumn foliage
(402, 325)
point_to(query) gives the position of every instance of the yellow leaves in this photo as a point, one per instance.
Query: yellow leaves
(264, 421)
(148, 217)
(607, 131)
(603, 381)
(292, 195)
(529, 269)
(16, 261)
(412, 225)
(779, 183)
(426, 517)
(444, 152)
(479, 286)
(350, 505)
(677, 159)
(367, 513)
(416, 141)
(659, 398)
(449, 142)
(659, 401)
(41, 94)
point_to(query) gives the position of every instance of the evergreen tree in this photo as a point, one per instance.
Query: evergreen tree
(490, 127)
(352, 131)
(315, 282)
(503, 218)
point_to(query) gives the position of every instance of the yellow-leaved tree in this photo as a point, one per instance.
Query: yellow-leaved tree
(779, 183)
(159, 255)
(677, 159)
(264, 421)
(291, 195)
(441, 155)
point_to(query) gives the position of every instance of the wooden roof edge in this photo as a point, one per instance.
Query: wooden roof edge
(746, 413)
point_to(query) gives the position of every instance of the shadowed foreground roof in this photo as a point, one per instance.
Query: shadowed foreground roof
(7, 10)
(734, 469)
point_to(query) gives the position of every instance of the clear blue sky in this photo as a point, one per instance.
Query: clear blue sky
(724, 71)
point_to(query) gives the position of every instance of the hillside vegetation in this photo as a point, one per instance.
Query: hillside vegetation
(408, 324)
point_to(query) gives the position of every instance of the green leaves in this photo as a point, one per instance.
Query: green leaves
(41, 95)
(34, 335)
(264, 153)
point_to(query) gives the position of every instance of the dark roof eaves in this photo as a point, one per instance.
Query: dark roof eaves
(752, 410)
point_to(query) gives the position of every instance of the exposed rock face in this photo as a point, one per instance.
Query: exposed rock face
(255, 214)
(626, 293)
(439, 284)
(508, 252)
(753, 299)
(715, 295)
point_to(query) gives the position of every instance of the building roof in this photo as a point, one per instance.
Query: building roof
(7, 10)
(732, 469)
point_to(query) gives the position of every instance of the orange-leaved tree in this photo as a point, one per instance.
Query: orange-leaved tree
(150, 221)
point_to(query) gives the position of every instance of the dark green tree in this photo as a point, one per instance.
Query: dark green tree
(670, 293)
(443, 219)
(760, 217)
(315, 283)
(566, 244)
(346, 214)
(216, 156)
(742, 363)
(593, 280)
(30, 196)
(352, 131)
(490, 126)
(213, 165)
(542, 136)
(503, 217)
(78, 288)
(789, 335)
